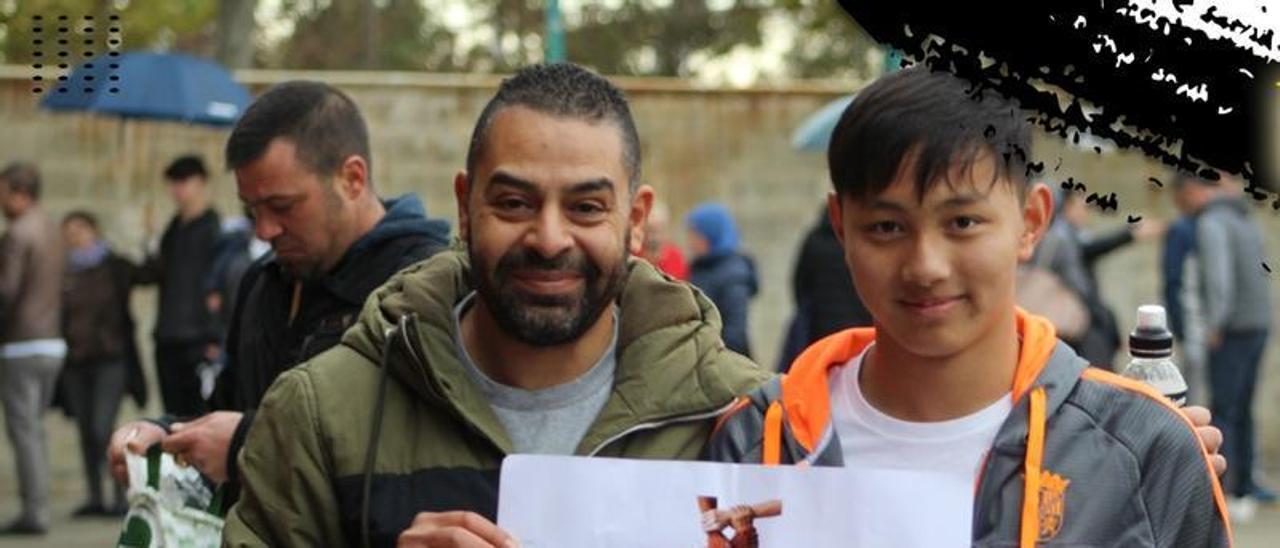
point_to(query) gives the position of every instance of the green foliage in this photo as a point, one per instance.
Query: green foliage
(624, 37)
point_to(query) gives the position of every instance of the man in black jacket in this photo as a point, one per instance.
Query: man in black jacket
(185, 333)
(302, 163)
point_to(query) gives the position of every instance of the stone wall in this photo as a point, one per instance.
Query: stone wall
(699, 144)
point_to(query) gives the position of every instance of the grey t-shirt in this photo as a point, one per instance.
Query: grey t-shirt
(551, 421)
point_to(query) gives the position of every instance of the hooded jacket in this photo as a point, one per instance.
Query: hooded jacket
(727, 276)
(1237, 293)
(279, 321)
(1110, 461)
(391, 417)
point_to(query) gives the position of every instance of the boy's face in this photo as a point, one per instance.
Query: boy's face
(938, 274)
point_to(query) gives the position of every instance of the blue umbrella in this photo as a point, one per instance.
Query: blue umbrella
(156, 86)
(814, 133)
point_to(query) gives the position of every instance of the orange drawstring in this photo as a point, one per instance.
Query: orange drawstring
(1030, 531)
(773, 435)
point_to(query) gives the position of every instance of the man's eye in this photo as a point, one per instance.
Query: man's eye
(588, 208)
(512, 204)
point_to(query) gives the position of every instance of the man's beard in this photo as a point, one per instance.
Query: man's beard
(546, 320)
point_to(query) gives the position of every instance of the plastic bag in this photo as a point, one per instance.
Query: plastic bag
(170, 505)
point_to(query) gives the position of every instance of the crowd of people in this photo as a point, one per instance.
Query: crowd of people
(361, 382)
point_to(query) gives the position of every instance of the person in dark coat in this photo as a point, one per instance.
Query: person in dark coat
(302, 161)
(727, 276)
(102, 361)
(186, 332)
(826, 301)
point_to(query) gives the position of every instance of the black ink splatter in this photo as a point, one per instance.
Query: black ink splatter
(1034, 168)
(1134, 219)
(1200, 114)
(1105, 203)
(1156, 182)
(1267, 268)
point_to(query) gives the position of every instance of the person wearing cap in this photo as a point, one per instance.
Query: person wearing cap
(958, 409)
(722, 271)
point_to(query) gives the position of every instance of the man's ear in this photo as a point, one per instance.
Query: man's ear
(836, 215)
(353, 177)
(1037, 216)
(638, 217)
(461, 194)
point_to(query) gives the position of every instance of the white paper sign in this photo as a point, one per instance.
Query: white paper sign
(548, 501)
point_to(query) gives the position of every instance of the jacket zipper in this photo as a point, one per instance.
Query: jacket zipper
(658, 424)
(452, 407)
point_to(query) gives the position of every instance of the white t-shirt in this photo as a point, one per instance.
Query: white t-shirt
(915, 480)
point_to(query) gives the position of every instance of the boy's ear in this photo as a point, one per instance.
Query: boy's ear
(1037, 215)
(836, 216)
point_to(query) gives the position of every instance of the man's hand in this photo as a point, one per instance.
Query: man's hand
(204, 442)
(1211, 437)
(1150, 228)
(148, 220)
(454, 530)
(212, 351)
(134, 437)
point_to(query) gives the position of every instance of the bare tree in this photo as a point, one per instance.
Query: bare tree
(233, 36)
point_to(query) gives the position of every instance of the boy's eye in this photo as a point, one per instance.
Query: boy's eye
(884, 227)
(965, 222)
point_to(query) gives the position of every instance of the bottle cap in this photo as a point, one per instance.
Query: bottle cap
(1151, 338)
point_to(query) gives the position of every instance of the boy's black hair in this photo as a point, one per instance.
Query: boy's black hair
(933, 119)
(185, 166)
(83, 216)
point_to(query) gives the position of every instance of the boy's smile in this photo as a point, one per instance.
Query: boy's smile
(937, 271)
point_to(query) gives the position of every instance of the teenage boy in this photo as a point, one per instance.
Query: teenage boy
(959, 409)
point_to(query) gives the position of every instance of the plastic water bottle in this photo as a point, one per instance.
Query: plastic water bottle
(1151, 353)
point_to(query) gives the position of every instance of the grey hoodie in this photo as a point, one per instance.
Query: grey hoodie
(1229, 248)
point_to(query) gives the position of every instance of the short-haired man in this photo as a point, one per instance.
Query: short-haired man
(543, 337)
(303, 169)
(186, 333)
(31, 344)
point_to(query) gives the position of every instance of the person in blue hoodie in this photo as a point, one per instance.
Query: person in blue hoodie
(720, 270)
(303, 171)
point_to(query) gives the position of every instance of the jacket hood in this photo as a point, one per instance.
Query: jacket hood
(1234, 204)
(809, 415)
(406, 216)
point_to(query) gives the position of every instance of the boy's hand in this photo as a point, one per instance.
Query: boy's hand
(1210, 436)
(454, 530)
